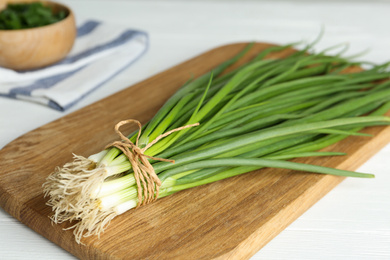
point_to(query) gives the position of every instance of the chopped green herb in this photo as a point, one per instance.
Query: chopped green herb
(31, 15)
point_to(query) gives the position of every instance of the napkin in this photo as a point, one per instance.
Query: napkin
(100, 52)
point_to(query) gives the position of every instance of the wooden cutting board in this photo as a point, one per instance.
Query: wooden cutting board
(229, 219)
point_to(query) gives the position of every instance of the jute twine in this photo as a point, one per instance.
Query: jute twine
(148, 183)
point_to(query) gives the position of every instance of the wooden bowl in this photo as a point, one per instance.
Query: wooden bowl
(34, 48)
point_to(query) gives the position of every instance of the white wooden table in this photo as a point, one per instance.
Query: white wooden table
(352, 221)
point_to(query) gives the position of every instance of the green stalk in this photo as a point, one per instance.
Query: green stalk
(254, 164)
(190, 87)
(258, 136)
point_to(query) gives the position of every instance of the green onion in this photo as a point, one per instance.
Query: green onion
(259, 115)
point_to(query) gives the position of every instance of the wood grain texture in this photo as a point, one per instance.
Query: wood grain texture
(37, 47)
(229, 219)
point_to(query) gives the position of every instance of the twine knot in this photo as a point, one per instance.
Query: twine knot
(148, 183)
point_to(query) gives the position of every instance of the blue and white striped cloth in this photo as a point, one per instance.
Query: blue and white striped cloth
(99, 53)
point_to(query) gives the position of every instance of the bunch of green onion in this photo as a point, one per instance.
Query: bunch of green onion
(262, 114)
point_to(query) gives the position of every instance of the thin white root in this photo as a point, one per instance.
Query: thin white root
(69, 188)
(93, 221)
(72, 195)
